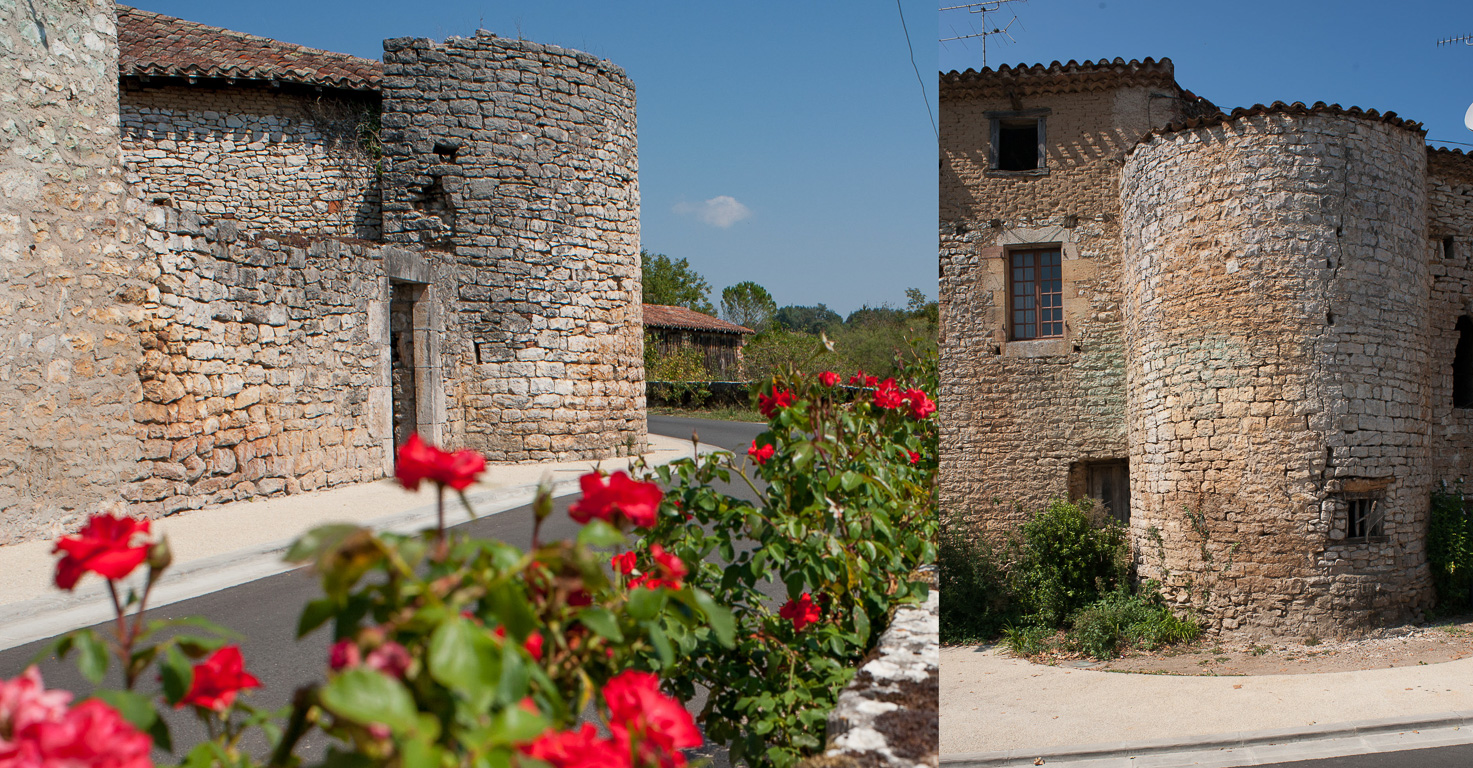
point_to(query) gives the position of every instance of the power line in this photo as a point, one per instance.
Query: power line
(912, 50)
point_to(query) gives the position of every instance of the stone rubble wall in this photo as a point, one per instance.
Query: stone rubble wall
(522, 159)
(268, 158)
(1449, 188)
(1277, 284)
(67, 356)
(266, 367)
(1017, 415)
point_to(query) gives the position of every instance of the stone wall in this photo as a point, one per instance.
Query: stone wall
(67, 357)
(1277, 285)
(1450, 230)
(267, 363)
(522, 159)
(288, 160)
(1020, 418)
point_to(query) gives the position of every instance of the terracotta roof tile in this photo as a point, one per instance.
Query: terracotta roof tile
(1280, 108)
(1073, 77)
(665, 316)
(151, 44)
(1452, 165)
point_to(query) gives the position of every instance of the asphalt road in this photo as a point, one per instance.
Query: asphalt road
(1458, 756)
(265, 611)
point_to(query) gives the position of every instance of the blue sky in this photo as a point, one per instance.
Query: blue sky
(807, 115)
(1373, 55)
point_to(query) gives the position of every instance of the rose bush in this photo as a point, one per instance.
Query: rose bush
(453, 651)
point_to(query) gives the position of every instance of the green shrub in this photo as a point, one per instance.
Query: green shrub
(1028, 639)
(1062, 561)
(1450, 548)
(975, 602)
(1123, 619)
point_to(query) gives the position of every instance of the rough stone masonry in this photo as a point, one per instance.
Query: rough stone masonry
(1265, 330)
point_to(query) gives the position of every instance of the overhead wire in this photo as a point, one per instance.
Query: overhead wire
(917, 69)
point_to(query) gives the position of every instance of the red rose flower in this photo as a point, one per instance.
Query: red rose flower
(857, 380)
(920, 405)
(649, 721)
(91, 734)
(578, 749)
(915, 458)
(419, 460)
(801, 612)
(218, 679)
(771, 403)
(606, 497)
(390, 658)
(344, 654)
(828, 378)
(761, 455)
(104, 546)
(623, 563)
(887, 395)
(533, 643)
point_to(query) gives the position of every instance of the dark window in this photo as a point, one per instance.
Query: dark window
(1017, 145)
(1108, 483)
(1363, 516)
(1036, 294)
(1463, 365)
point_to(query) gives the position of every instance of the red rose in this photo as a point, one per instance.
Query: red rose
(419, 460)
(217, 680)
(761, 455)
(603, 497)
(769, 404)
(801, 612)
(104, 546)
(857, 380)
(640, 716)
(533, 643)
(577, 749)
(915, 458)
(920, 405)
(390, 658)
(887, 395)
(623, 563)
(828, 378)
(91, 734)
(344, 654)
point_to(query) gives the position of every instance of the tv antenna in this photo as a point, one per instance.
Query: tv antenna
(1465, 40)
(982, 9)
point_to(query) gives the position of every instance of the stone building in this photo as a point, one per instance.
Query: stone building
(1248, 335)
(235, 267)
(675, 328)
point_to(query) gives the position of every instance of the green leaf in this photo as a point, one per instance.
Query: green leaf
(644, 604)
(514, 675)
(138, 710)
(662, 645)
(602, 622)
(313, 544)
(94, 657)
(367, 696)
(420, 752)
(599, 533)
(802, 455)
(463, 657)
(721, 620)
(177, 673)
(861, 624)
(851, 480)
(315, 614)
(514, 725)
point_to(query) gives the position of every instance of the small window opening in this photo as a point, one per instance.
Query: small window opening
(1447, 247)
(1037, 294)
(1463, 365)
(1363, 516)
(1017, 145)
(447, 152)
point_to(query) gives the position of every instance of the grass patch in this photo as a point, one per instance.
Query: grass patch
(716, 413)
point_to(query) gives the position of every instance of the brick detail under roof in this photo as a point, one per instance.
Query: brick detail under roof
(665, 316)
(154, 45)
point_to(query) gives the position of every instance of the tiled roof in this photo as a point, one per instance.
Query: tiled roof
(665, 316)
(1073, 77)
(154, 45)
(1450, 165)
(1280, 108)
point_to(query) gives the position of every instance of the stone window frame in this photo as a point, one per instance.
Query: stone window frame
(1022, 239)
(1038, 293)
(1368, 495)
(996, 120)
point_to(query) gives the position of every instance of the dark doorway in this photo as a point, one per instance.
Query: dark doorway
(1107, 482)
(401, 358)
(1463, 365)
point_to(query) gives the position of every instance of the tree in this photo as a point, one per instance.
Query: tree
(748, 304)
(673, 283)
(808, 319)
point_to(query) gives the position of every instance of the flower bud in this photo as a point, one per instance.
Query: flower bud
(160, 556)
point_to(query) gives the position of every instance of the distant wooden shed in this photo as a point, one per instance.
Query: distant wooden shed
(675, 328)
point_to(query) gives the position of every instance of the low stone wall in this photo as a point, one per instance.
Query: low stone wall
(889, 716)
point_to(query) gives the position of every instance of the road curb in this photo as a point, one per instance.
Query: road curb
(1231, 740)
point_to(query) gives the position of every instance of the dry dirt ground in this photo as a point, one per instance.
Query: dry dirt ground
(1431, 643)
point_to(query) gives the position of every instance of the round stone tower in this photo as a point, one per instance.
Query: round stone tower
(1277, 283)
(522, 160)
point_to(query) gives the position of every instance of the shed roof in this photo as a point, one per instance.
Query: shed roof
(666, 316)
(154, 45)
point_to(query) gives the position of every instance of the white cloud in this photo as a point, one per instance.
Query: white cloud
(720, 211)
